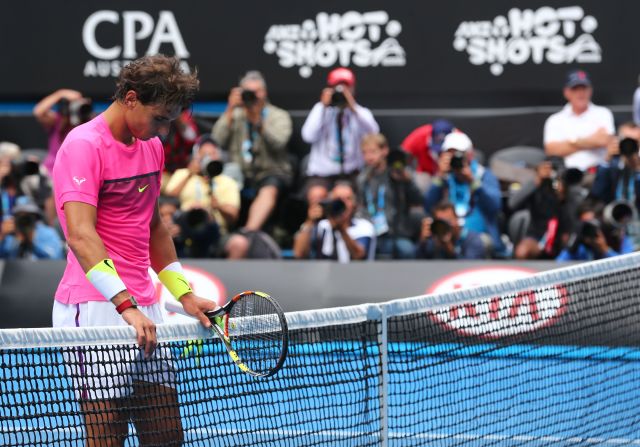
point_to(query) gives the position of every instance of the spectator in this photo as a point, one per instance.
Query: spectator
(25, 236)
(443, 238)
(9, 184)
(209, 200)
(256, 134)
(169, 210)
(332, 231)
(581, 131)
(619, 178)
(595, 239)
(636, 104)
(388, 197)
(551, 201)
(472, 189)
(178, 144)
(334, 128)
(72, 110)
(424, 144)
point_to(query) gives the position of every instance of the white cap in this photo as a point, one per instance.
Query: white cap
(9, 150)
(458, 141)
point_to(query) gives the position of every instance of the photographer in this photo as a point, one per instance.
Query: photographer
(443, 238)
(334, 128)
(209, 200)
(178, 144)
(596, 237)
(332, 232)
(23, 235)
(550, 201)
(58, 113)
(619, 178)
(256, 134)
(472, 189)
(389, 198)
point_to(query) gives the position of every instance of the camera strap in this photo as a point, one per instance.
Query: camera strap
(340, 138)
(248, 152)
(6, 204)
(625, 189)
(377, 211)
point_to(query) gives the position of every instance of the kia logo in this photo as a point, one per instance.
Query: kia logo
(507, 315)
(500, 316)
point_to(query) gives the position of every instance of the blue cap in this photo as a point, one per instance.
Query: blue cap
(577, 78)
(439, 129)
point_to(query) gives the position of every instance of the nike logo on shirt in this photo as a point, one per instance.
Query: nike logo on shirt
(142, 188)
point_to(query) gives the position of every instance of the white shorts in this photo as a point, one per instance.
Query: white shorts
(108, 372)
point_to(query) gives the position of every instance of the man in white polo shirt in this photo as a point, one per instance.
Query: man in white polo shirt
(581, 131)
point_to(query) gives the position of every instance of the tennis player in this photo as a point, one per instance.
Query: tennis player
(107, 183)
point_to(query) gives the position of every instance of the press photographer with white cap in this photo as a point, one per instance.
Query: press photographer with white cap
(470, 187)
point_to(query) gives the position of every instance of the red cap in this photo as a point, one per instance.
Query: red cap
(341, 76)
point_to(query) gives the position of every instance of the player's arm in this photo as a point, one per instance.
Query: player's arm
(91, 253)
(164, 261)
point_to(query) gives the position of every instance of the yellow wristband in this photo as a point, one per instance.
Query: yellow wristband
(105, 279)
(174, 280)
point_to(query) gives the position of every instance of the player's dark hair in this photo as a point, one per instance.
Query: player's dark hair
(158, 79)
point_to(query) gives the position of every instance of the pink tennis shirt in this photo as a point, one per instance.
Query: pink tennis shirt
(123, 183)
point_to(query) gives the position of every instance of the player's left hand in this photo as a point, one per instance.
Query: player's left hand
(197, 306)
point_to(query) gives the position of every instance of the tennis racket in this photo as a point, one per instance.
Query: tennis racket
(253, 329)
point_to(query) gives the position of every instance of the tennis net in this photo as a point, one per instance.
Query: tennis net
(551, 359)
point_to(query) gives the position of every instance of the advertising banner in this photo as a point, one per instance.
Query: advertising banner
(405, 54)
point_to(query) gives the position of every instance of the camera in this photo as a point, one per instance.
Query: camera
(440, 228)
(457, 161)
(194, 218)
(27, 167)
(397, 159)
(333, 208)
(78, 111)
(585, 234)
(210, 168)
(618, 213)
(337, 98)
(25, 222)
(249, 97)
(628, 147)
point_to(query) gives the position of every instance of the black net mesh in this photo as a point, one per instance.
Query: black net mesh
(191, 394)
(556, 365)
(549, 365)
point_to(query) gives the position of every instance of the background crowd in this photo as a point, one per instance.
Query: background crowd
(236, 190)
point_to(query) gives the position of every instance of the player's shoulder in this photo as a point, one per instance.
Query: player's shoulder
(85, 135)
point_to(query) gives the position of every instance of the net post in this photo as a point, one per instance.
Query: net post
(384, 383)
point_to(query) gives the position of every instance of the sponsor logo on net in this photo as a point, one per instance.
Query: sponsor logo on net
(361, 39)
(554, 35)
(136, 28)
(499, 316)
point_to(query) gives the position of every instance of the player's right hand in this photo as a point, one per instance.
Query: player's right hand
(145, 329)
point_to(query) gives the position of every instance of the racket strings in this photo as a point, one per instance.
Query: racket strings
(256, 332)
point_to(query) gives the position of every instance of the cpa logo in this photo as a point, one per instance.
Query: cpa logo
(499, 316)
(135, 27)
